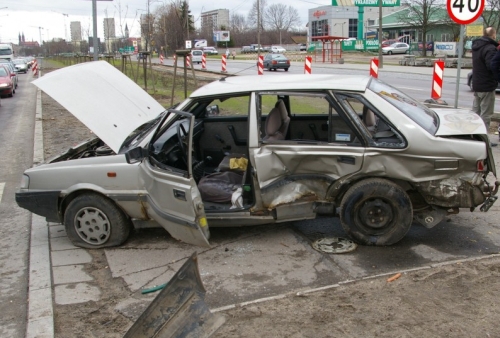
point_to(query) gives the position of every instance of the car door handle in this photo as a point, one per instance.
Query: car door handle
(180, 195)
(347, 159)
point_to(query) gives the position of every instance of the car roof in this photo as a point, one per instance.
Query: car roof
(250, 83)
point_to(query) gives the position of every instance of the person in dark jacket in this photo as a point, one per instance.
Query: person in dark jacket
(484, 79)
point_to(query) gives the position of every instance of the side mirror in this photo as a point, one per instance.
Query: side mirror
(213, 110)
(136, 155)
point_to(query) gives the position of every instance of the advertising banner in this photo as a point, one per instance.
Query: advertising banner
(221, 36)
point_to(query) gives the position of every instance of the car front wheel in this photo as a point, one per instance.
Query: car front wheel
(389, 52)
(376, 212)
(92, 221)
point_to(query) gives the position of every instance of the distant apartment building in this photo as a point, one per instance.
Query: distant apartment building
(76, 31)
(215, 20)
(109, 28)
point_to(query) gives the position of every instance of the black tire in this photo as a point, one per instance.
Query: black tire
(376, 212)
(286, 69)
(110, 226)
(389, 52)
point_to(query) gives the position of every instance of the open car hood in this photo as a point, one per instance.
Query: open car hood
(459, 122)
(101, 97)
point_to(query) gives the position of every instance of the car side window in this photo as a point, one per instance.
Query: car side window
(233, 106)
(313, 118)
(376, 128)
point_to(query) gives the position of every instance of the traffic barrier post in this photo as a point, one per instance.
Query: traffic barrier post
(437, 80)
(374, 68)
(308, 65)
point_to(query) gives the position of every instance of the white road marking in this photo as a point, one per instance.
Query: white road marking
(412, 88)
(2, 186)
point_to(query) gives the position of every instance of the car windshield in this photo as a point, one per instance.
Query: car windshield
(3, 72)
(278, 56)
(138, 134)
(423, 116)
(18, 62)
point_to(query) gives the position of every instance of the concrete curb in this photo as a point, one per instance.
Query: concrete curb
(40, 309)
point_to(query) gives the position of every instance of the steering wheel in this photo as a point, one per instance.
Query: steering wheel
(181, 135)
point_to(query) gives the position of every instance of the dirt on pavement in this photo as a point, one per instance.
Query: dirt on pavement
(454, 300)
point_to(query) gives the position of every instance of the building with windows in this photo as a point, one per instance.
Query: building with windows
(109, 28)
(75, 28)
(217, 19)
(343, 21)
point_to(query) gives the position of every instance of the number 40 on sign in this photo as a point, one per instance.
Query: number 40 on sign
(465, 12)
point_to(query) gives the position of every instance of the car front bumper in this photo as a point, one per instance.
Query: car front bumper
(43, 203)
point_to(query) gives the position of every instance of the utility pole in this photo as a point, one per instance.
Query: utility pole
(380, 57)
(39, 33)
(65, 25)
(258, 29)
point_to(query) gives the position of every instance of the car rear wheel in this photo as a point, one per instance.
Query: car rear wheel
(286, 69)
(92, 221)
(389, 52)
(376, 212)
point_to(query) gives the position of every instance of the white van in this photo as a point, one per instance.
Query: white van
(196, 56)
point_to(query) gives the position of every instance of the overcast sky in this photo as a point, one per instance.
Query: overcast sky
(54, 16)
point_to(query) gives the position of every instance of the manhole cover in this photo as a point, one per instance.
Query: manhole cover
(334, 245)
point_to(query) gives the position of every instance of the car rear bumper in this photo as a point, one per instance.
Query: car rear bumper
(44, 203)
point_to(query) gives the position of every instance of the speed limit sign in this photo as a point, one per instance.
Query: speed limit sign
(465, 12)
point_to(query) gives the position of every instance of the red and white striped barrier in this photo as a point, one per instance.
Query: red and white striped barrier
(374, 68)
(188, 61)
(260, 65)
(224, 61)
(437, 80)
(307, 65)
(203, 62)
(35, 67)
(161, 58)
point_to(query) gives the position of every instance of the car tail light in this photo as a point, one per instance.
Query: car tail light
(480, 165)
(274, 62)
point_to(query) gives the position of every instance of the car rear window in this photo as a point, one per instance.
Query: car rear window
(420, 114)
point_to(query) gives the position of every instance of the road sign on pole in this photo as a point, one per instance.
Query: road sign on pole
(465, 12)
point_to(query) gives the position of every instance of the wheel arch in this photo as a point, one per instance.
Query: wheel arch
(65, 200)
(339, 188)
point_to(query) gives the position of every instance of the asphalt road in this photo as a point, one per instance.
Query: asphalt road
(415, 81)
(16, 146)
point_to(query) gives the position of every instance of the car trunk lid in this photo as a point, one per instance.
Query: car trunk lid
(464, 122)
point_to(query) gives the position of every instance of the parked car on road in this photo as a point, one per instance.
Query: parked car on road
(21, 65)
(396, 48)
(196, 56)
(6, 83)
(277, 49)
(12, 71)
(302, 47)
(250, 150)
(276, 61)
(210, 50)
(246, 50)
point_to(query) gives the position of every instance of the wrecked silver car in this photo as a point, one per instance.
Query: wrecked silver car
(252, 150)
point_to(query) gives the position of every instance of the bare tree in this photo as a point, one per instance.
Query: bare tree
(281, 18)
(252, 15)
(490, 14)
(237, 23)
(422, 15)
(122, 13)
